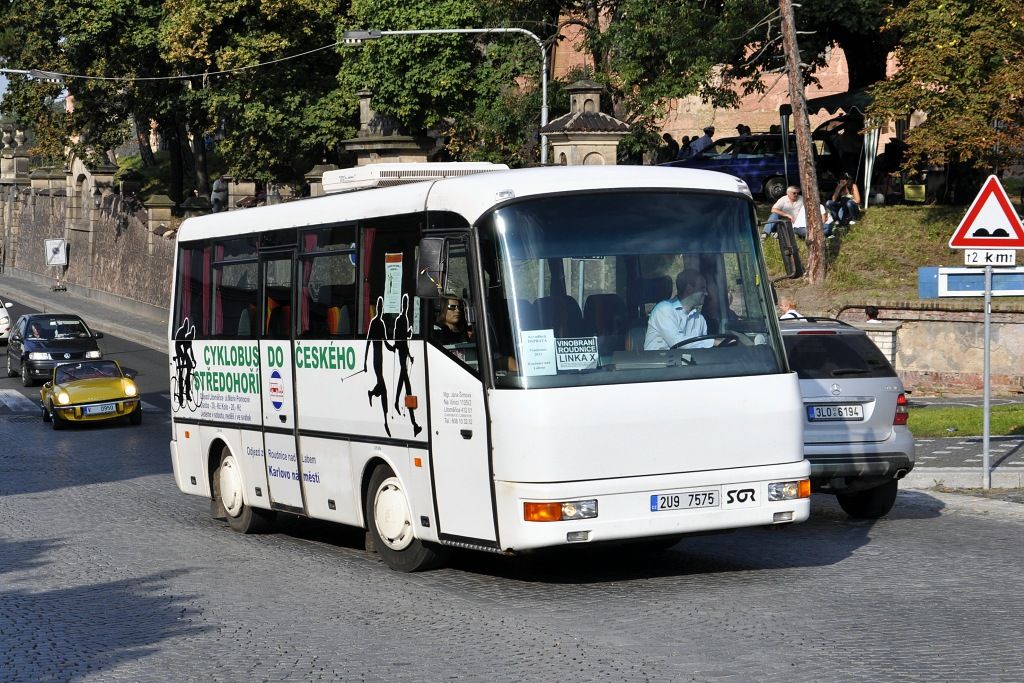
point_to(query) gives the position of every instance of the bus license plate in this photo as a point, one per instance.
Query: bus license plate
(100, 409)
(835, 411)
(661, 502)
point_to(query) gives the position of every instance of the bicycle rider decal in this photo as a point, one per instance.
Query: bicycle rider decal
(183, 391)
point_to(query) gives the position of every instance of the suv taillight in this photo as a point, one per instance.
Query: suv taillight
(901, 410)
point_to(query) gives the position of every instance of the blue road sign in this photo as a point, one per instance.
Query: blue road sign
(934, 283)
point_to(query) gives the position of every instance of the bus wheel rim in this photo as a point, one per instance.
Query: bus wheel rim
(230, 486)
(391, 515)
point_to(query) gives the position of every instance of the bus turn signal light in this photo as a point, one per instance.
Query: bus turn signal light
(558, 512)
(542, 512)
(789, 490)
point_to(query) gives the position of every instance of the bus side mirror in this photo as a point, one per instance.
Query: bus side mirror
(432, 268)
(788, 247)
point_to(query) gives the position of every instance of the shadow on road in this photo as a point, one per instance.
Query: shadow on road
(101, 626)
(17, 556)
(36, 459)
(827, 538)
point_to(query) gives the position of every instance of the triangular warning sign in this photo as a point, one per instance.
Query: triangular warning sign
(991, 222)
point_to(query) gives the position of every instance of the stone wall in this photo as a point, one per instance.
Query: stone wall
(948, 357)
(939, 348)
(110, 248)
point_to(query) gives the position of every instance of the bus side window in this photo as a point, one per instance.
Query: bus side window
(327, 268)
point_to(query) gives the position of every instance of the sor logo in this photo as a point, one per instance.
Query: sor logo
(276, 390)
(740, 497)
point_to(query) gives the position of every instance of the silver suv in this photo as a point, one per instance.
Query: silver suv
(855, 414)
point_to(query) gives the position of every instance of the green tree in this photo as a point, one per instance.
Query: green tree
(422, 82)
(27, 40)
(273, 121)
(960, 62)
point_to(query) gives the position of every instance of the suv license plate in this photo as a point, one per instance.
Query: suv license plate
(835, 411)
(660, 502)
(100, 409)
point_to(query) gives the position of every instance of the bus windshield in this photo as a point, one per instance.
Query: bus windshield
(617, 287)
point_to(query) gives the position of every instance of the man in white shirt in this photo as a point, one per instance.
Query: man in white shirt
(785, 209)
(675, 320)
(703, 142)
(800, 224)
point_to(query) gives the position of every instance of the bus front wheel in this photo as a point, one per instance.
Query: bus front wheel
(390, 525)
(227, 488)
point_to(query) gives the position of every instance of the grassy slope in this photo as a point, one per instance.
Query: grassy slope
(876, 261)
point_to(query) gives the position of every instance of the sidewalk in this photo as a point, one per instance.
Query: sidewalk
(948, 463)
(137, 322)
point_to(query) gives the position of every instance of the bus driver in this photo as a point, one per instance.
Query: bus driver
(675, 320)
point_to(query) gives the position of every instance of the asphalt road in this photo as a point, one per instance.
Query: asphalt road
(109, 573)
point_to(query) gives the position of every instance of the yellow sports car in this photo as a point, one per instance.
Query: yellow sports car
(90, 391)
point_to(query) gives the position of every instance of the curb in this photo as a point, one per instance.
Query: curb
(961, 478)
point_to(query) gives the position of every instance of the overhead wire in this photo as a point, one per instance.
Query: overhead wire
(205, 74)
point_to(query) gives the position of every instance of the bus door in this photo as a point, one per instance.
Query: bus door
(279, 436)
(463, 481)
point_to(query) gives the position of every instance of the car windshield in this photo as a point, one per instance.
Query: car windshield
(95, 370)
(57, 328)
(828, 356)
(572, 282)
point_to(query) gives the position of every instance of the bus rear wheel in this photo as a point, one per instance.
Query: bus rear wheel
(390, 526)
(228, 488)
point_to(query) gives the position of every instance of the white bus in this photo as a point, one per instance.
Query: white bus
(472, 362)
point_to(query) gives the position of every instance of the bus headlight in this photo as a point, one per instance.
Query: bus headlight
(560, 512)
(789, 490)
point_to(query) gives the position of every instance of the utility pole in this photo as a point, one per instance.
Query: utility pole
(805, 155)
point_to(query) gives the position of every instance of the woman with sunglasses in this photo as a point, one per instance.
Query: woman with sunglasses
(450, 328)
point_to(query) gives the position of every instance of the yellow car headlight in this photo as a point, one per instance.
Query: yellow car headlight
(130, 388)
(63, 398)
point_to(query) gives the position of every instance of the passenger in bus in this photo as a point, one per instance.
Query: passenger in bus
(678, 319)
(450, 327)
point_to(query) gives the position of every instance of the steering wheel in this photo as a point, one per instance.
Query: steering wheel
(732, 339)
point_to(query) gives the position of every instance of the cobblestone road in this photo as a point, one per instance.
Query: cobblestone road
(108, 573)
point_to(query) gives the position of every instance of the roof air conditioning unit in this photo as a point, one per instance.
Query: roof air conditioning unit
(385, 175)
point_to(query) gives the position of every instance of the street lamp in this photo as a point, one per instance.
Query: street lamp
(357, 37)
(36, 74)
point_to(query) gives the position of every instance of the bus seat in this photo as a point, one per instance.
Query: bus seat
(272, 312)
(338, 320)
(561, 314)
(279, 318)
(605, 314)
(655, 289)
(527, 315)
(635, 338)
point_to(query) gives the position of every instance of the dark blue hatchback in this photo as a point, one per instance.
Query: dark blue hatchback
(41, 341)
(756, 159)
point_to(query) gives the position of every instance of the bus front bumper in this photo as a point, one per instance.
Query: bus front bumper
(650, 506)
